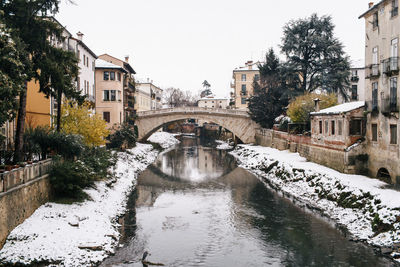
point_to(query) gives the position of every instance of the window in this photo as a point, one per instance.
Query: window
(393, 94)
(78, 80)
(340, 127)
(326, 127)
(375, 20)
(375, 55)
(112, 75)
(106, 116)
(374, 130)
(119, 76)
(84, 60)
(106, 76)
(395, 8)
(243, 77)
(393, 134)
(243, 101)
(354, 73)
(119, 95)
(113, 95)
(257, 77)
(354, 95)
(106, 95)
(93, 65)
(374, 96)
(355, 127)
(244, 89)
(320, 127)
(333, 127)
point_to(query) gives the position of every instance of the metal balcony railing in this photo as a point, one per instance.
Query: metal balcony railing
(390, 66)
(372, 106)
(354, 78)
(373, 71)
(389, 105)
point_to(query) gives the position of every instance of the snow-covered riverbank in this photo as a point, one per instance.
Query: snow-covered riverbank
(81, 234)
(360, 204)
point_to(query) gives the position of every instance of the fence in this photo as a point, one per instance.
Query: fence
(20, 176)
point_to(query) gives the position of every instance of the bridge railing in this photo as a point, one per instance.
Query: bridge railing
(193, 110)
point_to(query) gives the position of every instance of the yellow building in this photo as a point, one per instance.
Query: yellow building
(242, 84)
(38, 107)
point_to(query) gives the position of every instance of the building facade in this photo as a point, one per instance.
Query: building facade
(148, 96)
(109, 92)
(356, 91)
(128, 83)
(213, 102)
(382, 28)
(242, 84)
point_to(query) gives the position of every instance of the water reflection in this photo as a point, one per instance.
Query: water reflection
(208, 212)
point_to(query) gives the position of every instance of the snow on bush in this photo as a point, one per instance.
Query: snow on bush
(360, 204)
(164, 139)
(80, 234)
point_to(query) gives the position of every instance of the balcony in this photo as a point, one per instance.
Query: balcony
(373, 71)
(389, 105)
(372, 106)
(243, 93)
(390, 66)
(354, 79)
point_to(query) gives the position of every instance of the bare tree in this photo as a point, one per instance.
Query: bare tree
(175, 97)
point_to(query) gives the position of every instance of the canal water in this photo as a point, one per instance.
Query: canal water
(195, 207)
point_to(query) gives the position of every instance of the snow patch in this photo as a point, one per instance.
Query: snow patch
(164, 139)
(223, 145)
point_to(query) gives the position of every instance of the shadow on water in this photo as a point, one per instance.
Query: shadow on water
(195, 207)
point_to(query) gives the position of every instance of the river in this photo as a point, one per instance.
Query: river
(195, 207)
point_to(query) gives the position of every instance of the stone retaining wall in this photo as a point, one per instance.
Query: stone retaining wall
(340, 160)
(22, 191)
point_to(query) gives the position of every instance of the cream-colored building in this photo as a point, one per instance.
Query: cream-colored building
(382, 28)
(242, 83)
(356, 91)
(213, 102)
(109, 92)
(128, 83)
(147, 96)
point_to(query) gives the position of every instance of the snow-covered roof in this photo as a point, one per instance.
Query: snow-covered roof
(254, 66)
(338, 109)
(213, 98)
(102, 64)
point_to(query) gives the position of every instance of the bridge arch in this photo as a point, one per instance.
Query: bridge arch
(238, 122)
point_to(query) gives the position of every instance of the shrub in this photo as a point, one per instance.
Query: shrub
(99, 160)
(123, 137)
(68, 179)
(299, 109)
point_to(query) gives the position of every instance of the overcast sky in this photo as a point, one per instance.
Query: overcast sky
(181, 43)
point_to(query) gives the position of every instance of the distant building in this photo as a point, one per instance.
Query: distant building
(382, 30)
(242, 84)
(356, 91)
(213, 102)
(148, 96)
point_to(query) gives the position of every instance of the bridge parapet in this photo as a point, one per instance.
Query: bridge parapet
(236, 112)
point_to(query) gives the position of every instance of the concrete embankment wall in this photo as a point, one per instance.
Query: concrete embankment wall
(22, 191)
(336, 159)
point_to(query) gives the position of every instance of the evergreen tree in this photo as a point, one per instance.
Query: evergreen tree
(316, 55)
(29, 21)
(271, 93)
(12, 77)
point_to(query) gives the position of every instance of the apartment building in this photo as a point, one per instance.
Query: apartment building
(87, 67)
(357, 83)
(109, 92)
(128, 81)
(148, 96)
(213, 102)
(382, 28)
(242, 84)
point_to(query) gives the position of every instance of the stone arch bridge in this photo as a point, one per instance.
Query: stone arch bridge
(236, 121)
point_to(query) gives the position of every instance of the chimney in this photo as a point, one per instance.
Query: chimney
(127, 59)
(249, 64)
(148, 80)
(370, 4)
(316, 104)
(80, 36)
